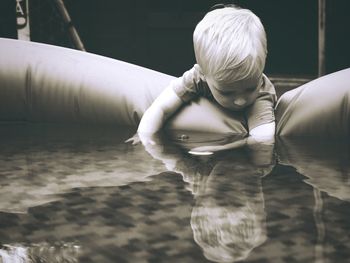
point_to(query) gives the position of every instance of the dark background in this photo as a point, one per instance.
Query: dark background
(158, 33)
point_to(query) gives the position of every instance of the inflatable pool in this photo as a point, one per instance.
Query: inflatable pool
(319, 108)
(45, 83)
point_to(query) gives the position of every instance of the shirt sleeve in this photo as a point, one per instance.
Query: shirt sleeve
(262, 110)
(189, 85)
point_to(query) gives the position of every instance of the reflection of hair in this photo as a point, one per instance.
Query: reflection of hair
(230, 38)
(226, 235)
(43, 253)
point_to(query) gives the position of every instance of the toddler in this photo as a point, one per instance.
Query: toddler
(230, 50)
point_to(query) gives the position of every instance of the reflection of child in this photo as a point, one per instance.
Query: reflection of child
(228, 220)
(230, 49)
(226, 234)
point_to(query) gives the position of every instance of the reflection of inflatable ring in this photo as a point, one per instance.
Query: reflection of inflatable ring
(44, 83)
(40, 82)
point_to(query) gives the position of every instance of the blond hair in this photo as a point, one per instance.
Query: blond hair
(229, 39)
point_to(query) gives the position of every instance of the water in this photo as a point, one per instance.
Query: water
(80, 194)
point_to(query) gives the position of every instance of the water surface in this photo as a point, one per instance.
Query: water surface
(80, 194)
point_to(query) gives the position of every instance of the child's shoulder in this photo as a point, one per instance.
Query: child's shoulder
(267, 86)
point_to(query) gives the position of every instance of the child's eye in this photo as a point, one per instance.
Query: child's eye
(227, 92)
(251, 89)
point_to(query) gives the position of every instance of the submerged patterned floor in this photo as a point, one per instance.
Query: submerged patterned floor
(83, 195)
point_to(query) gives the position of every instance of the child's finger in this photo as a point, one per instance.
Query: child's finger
(212, 148)
(129, 140)
(202, 150)
(194, 152)
(133, 141)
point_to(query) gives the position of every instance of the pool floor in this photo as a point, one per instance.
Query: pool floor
(81, 194)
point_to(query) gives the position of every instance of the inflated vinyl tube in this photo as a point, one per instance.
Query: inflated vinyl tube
(320, 108)
(45, 83)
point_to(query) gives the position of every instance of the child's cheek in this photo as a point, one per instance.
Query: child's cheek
(224, 101)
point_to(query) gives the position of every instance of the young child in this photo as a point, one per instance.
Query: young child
(230, 49)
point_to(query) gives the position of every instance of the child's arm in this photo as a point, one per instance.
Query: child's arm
(179, 91)
(265, 137)
(264, 132)
(260, 115)
(160, 110)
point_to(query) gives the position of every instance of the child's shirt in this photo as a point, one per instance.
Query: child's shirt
(192, 85)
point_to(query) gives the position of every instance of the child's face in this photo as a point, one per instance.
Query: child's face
(237, 95)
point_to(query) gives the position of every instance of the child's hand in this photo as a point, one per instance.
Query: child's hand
(134, 140)
(203, 150)
(144, 138)
(207, 150)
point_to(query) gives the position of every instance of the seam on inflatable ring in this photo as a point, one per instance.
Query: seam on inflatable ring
(28, 93)
(287, 112)
(345, 116)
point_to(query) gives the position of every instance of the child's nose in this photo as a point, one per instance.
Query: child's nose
(240, 101)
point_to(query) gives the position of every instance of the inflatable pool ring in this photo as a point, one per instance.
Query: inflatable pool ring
(45, 83)
(320, 108)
